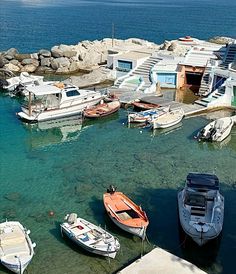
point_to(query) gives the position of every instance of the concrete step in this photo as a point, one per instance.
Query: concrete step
(201, 103)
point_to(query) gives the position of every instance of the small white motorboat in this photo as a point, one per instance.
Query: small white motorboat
(16, 248)
(217, 130)
(24, 79)
(201, 207)
(168, 119)
(89, 236)
(146, 115)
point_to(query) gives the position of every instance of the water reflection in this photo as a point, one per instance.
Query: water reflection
(168, 130)
(54, 131)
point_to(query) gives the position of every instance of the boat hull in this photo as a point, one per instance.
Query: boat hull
(97, 111)
(110, 254)
(196, 230)
(137, 231)
(211, 133)
(16, 262)
(56, 113)
(162, 123)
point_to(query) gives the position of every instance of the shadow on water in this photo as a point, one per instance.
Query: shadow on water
(164, 230)
(102, 218)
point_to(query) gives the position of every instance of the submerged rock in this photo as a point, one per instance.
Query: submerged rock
(12, 196)
(9, 213)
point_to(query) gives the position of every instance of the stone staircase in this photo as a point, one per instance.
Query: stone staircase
(215, 95)
(230, 56)
(141, 72)
(204, 89)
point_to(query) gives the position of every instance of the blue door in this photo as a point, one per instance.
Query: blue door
(167, 80)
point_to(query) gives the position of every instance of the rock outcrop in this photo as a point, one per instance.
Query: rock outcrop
(65, 59)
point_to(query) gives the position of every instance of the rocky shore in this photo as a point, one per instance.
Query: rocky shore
(86, 56)
(67, 59)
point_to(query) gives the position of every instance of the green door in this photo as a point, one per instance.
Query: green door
(233, 102)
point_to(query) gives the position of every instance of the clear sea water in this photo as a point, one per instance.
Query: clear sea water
(64, 167)
(30, 25)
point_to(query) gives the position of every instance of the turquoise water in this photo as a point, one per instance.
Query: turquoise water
(30, 25)
(64, 167)
(67, 168)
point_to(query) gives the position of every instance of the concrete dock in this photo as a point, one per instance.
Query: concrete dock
(159, 261)
(127, 97)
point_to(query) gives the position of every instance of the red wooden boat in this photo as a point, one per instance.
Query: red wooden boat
(145, 106)
(125, 213)
(102, 110)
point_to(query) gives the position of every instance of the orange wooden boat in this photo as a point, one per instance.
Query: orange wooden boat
(145, 106)
(102, 110)
(125, 213)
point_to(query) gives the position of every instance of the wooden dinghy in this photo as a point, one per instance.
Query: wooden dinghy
(16, 248)
(102, 110)
(169, 119)
(144, 106)
(125, 213)
(89, 236)
(146, 115)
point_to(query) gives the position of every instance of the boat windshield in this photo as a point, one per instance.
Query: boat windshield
(193, 199)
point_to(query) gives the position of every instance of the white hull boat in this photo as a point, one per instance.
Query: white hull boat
(146, 115)
(17, 250)
(53, 101)
(23, 80)
(90, 237)
(201, 207)
(168, 119)
(217, 130)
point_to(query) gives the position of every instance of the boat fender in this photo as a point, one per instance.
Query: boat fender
(80, 227)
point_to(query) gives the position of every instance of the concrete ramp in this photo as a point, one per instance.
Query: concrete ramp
(159, 261)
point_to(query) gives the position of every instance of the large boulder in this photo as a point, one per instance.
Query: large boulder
(64, 48)
(56, 52)
(60, 63)
(29, 68)
(16, 63)
(45, 62)
(23, 56)
(173, 46)
(3, 61)
(8, 57)
(11, 67)
(44, 69)
(165, 45)
(11, 52)
(45, 53)
(74, 66)
(30, 61)
(34, 56)
(69, 53)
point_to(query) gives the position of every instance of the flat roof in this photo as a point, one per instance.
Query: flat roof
(44, 89)
(133, 55)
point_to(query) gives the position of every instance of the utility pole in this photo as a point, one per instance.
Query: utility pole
(113, 33)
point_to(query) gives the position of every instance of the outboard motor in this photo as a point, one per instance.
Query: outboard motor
(111, 189)
(200, 135)
(18, 90)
